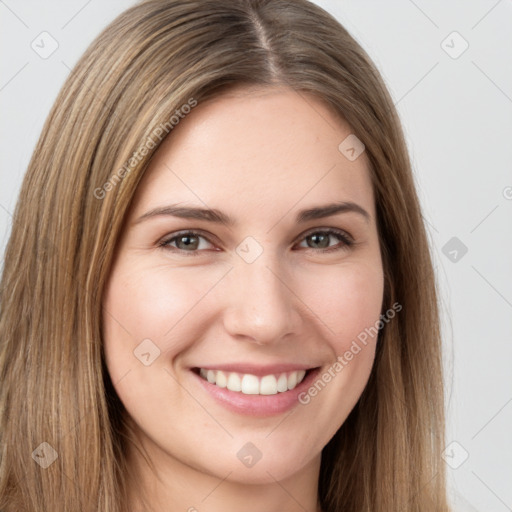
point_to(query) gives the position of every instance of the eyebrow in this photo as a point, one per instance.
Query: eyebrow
(218, 217)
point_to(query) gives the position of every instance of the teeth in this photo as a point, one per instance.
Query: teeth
(221, 379)
(234, 383)
(251, 384)
(268, 385)
(292, 380)
(282, 383)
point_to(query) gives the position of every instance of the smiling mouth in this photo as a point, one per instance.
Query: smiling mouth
(249, 384)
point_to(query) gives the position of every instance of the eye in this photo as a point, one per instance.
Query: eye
(186, 241)
(190, 241)
(320, 239)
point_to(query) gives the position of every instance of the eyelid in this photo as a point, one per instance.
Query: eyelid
(166, 239)
(332, 230)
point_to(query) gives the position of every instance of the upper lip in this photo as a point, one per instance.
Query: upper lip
(258, 370)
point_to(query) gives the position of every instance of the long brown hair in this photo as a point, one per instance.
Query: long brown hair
(81, 179)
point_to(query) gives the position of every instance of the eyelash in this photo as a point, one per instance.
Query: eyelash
(344, 237)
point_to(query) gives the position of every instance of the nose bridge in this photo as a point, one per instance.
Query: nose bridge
(260, 304)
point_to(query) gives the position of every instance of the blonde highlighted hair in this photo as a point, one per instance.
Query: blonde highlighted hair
(54, 386)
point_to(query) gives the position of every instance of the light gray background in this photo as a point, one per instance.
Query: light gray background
(457, 114)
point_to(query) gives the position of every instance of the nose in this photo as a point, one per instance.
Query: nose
(260, 305)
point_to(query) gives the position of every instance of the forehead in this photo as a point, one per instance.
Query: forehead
(257, 148)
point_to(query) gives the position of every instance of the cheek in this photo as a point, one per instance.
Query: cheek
(152, 302)
(145, 304)
(360, 305)
(347, 299)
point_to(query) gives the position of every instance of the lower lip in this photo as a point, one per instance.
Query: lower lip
(257, 405)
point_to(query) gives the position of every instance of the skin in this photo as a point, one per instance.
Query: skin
(259, 155)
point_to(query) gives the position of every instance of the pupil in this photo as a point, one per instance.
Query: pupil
(188, 243)
(325, 240)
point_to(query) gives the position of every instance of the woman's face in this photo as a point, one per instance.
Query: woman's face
(258, 303)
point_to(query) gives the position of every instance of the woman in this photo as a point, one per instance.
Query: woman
(172, 336)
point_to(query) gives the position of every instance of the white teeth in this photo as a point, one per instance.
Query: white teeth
(292, 380)
(268, 385)
(282, 383)
(234, 383)
(251, 384)
(221, 380)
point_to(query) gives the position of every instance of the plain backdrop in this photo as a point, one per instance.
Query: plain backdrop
(448, 67)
